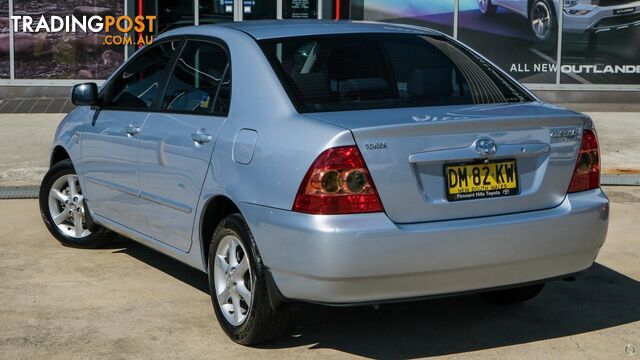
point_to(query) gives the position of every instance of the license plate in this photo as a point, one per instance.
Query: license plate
(624, 11)
(481, 180)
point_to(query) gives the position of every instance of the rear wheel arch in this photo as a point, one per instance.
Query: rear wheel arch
(216, 209)
(58, 154)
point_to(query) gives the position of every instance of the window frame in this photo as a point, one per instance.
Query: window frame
(161, 85)
(293, 93)
(165, 81)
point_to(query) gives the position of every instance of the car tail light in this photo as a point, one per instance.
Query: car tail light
(586, 175)
(338, 182)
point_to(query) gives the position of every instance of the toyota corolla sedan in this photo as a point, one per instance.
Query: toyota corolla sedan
(338, 163)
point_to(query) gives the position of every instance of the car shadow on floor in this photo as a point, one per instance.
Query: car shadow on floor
(599, 298)
(188, 275)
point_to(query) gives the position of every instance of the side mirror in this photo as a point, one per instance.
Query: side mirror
(85, 94)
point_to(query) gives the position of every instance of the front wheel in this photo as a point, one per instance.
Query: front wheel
(543, 20)
(514, 295)
(63, 211)
(238, 285)
(486, 7)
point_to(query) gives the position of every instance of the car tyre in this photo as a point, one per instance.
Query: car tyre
(543, 20)
(238, 286)
(486, 7)
(513, 295)
(63, 210)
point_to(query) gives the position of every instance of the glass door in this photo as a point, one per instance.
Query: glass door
(259, 9)
(300, 9)
(215, 11)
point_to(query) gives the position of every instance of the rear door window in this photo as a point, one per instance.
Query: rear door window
(200, 81)
(368, 71)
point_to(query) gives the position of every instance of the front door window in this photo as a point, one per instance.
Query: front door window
(138, 84)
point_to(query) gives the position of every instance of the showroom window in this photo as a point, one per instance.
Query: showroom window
(174, 14)
(50, 58)
(593, 45)
(4, 39)
(436, 14)
(526, 49)
(215, 11)
(65, 55)
(610, 52)
(300, 9)
(195, 83)
(259, 9)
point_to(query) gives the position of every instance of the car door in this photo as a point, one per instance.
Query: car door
(178, 140)
(110, 141)
(519, 6)
(513, 5)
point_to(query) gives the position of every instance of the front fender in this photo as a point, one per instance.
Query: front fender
(68, 136)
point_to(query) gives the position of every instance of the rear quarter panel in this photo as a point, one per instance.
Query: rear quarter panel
(287, 142)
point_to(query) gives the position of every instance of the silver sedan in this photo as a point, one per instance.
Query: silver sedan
(339, 163)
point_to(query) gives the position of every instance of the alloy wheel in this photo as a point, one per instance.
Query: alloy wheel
(541, 20)
(66, 207)
(483, 4)
(233, 280)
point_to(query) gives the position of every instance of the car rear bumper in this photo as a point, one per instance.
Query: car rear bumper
(366, 258)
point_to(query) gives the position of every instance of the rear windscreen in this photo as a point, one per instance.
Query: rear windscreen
(371, 71)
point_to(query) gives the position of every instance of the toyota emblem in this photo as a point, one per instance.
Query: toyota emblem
(486, 147)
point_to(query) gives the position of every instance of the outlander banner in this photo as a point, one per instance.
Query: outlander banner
(600, 38)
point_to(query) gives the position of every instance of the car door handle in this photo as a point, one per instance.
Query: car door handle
(201, 137)
(132, 130)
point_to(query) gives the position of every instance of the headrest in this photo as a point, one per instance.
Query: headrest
(367, 88)
(313, 85)
(353, 61)
(430, 82)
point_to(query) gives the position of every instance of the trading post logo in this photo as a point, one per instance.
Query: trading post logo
(117, 28)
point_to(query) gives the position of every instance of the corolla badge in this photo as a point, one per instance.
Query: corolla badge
(564, 133)
(376, 146)
(486, 147)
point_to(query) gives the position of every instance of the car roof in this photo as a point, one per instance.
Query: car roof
(269, 29)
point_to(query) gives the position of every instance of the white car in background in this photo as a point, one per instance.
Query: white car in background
(579, 15)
